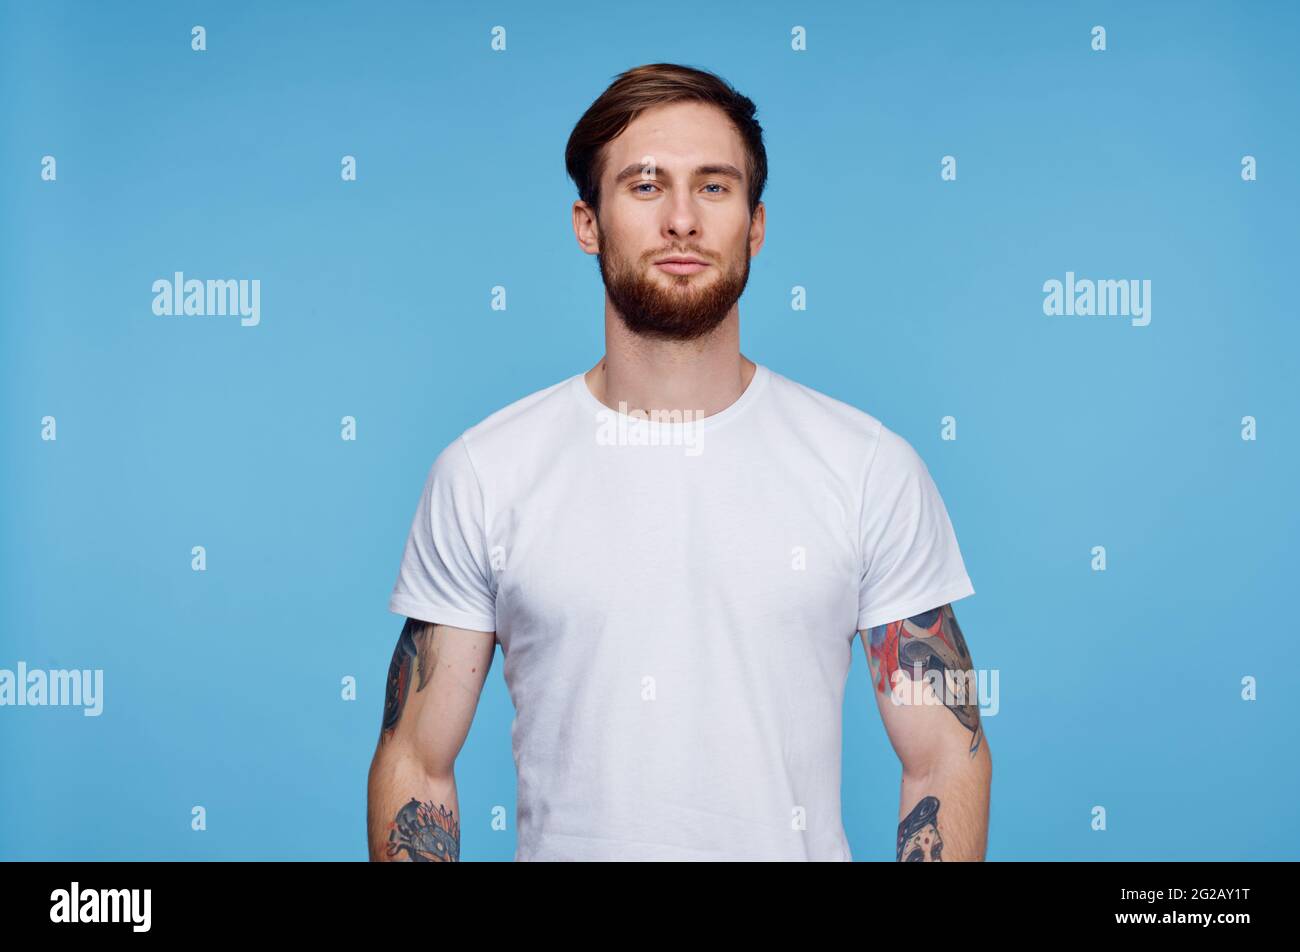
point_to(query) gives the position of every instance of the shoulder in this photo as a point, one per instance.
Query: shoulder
(873, 450)
(837, 425)
(800, 399)
(522, 413)
(520, 427)
(501, 436)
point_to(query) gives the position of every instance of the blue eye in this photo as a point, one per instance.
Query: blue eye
(718, 185)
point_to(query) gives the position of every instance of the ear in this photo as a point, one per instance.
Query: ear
(757, 228)
(586, 227)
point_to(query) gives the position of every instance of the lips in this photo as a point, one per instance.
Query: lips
(681, 264)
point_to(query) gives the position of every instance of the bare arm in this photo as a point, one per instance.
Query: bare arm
(434, 683)
(925, 687)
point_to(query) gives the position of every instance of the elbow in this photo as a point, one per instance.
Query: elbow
(924, 763)
(398, 759)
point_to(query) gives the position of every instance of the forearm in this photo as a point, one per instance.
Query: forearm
(411, 815)
(944, 810)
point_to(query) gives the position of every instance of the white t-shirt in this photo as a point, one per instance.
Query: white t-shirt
(676, 603)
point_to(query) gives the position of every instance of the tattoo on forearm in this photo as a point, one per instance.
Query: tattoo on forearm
(415, 656)
(918, 834)
(424, 833)
(930, 641)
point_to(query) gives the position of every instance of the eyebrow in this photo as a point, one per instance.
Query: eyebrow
(720, 168)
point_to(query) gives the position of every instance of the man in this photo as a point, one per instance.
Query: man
(675, 550)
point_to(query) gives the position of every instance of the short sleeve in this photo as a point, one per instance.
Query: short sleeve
(446, 576)
(910, 559)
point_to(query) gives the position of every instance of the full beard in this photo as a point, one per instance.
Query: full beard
(676, 311)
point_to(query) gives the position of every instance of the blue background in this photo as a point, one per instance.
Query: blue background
(222, 688)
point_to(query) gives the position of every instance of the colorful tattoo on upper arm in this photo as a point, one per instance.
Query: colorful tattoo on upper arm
(415, 655)
(930, 641)
(420, 832)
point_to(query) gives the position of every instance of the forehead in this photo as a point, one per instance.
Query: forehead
(676, 134)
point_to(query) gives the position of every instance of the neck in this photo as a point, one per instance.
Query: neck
(706, 375)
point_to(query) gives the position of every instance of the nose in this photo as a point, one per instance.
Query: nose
(681, 221)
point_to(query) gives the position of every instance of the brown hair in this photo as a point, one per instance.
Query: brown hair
(655, 84)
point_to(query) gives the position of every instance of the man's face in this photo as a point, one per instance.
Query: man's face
(675, 184)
